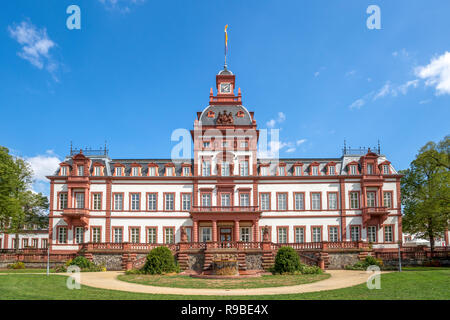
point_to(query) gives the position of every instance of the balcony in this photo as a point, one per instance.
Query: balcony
(76, 216)
(225, 209)
(374, 215)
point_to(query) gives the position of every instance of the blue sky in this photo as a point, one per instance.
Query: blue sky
(138, 69)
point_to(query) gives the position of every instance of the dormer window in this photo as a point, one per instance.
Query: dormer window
(206, 144)
(186, 171)
(315, 170)
(353, 170)
(369, 168)
(63, 171)
(225, 170)
(264, 171)
(135, 171)
(298, 170)
(282, 171)
(152, 171)
(119, 171)
(81, 171)
(169, 171)
(97, 171)
(331, 170)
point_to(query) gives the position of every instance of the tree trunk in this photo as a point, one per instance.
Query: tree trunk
(16, 242)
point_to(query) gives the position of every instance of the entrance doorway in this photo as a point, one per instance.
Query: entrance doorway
(225, 234)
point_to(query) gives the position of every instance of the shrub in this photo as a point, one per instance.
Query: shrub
(364, 264)
(16, 265)
(84, 264)
(60, 268)
(134, 271)
(160, 260)
(286, 261)
(304, 269)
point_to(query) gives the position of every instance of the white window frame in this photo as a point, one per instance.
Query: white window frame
(152, 235)
(265, 201)
(332, 201)
(372, 234)
(245, 234)
(135, 200)
(333, 234)
(96, 201)
(299, 199)
(282, 235)
(169, 202)
(244, 168)
(80, 170)
(135, 235)
(205, 234)
(206, 199)
(96, 236)
(63, 200)
(299, 234)
(281, 201)
(225, 169)
(118, 205)
(186, 202)
(79, 235)
(355, 236)
(316, 202)
(152, 201)
(354, 199)
(316, 234)
(118, 235)
(62, 235)
(244, 199)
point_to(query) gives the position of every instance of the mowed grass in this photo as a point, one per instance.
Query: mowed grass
(416, 285)
(25, 270)
(182, 281)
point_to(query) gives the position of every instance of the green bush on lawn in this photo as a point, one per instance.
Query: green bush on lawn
(364, 264)
(83, 263)
(287, 261)
(159, 261)
(16, 265)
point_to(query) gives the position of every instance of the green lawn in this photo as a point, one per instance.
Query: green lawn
(420, 285)
(182, 281)
(25, 270)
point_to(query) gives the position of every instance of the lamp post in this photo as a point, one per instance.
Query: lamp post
(399, 256)
(48, 260)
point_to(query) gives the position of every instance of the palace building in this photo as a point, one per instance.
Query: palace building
(225, 193)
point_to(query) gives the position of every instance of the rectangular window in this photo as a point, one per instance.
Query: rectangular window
(169, 171)
(134, 235)
(299, 201)
(151, 235)
(385, 169)
(152, 201)
(119, 171)
(97, 201)
(186, 202)
(388, 235)
(62, 235)
(316, 234)
(355, 234)
(152, 171)
(79, 234)
(281, 201)
(331, 170)
(79, 200)
(81, 170)
(387, 197)
(118, 235)
(315, 170)
(282, 235)
(206, 144)
(186, 171)
(265, 201)
(34, 243)
(62, 200)
(332, 201)
(333, 234)
(118, 201)
(64, 171)
(169, 202)
(225, 199)
(244, 144)
(245, 234)
(135, 171)
(299, 234)
(44, 243)
(206, 168)
(354, 200)
(96, 238)
(244, 199)
(281, 171)
(135, 201)
(97, 171)
(206, 200)
(244, 168)
(205, 234)
(369, 168)
(353, 169)
(372, 233)
(315, 201)
(371, 202)
(298, 170)
(225, 169)
(25, 243)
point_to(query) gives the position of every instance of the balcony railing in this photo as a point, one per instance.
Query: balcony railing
(375, 210)
(225, 209)
(75, 212)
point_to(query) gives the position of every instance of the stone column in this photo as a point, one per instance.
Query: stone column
(69, 198)
(214, 231)
(236, 230)
(195, 231)
(255, 231)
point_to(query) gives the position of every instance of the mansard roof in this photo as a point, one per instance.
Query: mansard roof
(246, 120)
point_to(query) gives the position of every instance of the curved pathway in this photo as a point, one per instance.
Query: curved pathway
(339, 279)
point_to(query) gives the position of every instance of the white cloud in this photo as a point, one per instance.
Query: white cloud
(290, 150)
(350, 73)
(425, 101)
(36, 46)
(402, 52)
(437, 73)
(123, 6)
(316, 74)
(383, 91)
(404, 87)
(272, 122)
(43, 165)
(357, 104)
(301, 141)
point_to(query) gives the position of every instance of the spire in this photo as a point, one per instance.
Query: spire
(226, 48)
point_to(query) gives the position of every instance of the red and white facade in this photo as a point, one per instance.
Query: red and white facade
(224, 193)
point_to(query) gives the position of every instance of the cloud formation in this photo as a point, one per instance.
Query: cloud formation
(36, 46)
(42, 166)
(436, 73)
(272, 122)
(123, 6)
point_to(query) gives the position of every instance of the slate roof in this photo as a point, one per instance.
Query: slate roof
(246, 120)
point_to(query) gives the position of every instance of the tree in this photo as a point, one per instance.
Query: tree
(19, 206)
(426, 192)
